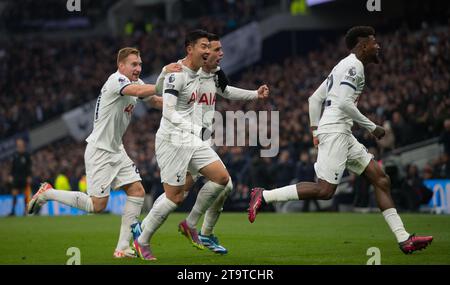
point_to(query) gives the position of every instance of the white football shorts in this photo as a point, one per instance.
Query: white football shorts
(338, 151)
(106, 170)
(176, 160)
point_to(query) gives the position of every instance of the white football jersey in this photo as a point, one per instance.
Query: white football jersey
(207, 94)
(112, 113)
(206, 99)
(349, 71)
(208, 89)
(184, 85)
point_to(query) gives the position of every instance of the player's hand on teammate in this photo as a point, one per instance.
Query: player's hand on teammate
(379, 132)
(156, 102)
(316, 141)
(173, 67)
(263, 92)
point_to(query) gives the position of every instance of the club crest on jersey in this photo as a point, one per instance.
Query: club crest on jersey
(352, 71)
(207, 99)
(351, 74)
(121, 81)
(171, 78)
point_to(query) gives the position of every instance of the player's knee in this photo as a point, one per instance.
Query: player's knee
(223, 179)
(98, 204)
(135, 189)
(98, 208)
(384, 182)
(140, 192)
(325, 190)
(228, 187)
(326, 193)
(177, 198)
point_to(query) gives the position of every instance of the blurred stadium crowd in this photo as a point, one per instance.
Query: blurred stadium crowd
(408, 93)
(67, 73)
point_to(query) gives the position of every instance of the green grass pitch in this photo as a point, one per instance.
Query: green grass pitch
(280, 239)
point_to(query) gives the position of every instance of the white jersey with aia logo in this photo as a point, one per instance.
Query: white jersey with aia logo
(206, 97)
(112, 115)
(183, 85)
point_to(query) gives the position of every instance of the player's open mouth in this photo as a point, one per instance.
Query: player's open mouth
(205, 56)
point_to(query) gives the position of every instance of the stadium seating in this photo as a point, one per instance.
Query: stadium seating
(406, 92)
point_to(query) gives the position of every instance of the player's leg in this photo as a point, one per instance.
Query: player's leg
(128, 179)
(74, 199)
(208, 163)
(219, 177)
(173, 161)
(100, 172)
(212, 215)
(133, 206)
(381, 182)
(14, 194)
(186, 188)
(330, 165)
(156, 217)
(213, 212)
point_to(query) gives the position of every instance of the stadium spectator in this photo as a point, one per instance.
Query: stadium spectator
(410, 93)
(304, 171)
(62, 182)
(284, 169)
(20, 174)
(413, 192)
(444, 139)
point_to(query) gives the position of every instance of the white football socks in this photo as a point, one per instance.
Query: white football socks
(131, 212)
(287, 193)
(159, 199)
(395, 223)
(206, 196)
(75, 199)
(155, 219)
(213, 213)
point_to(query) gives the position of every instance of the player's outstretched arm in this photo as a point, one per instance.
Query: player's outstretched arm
(315, 102)
(234, 93)
(139, 90)
(155, 101)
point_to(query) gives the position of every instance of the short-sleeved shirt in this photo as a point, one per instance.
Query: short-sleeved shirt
(112, 115)
(350, 72)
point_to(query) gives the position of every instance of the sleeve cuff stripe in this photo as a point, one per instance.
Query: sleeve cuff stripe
(171, 91)
(120, 91)
(349, 84)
